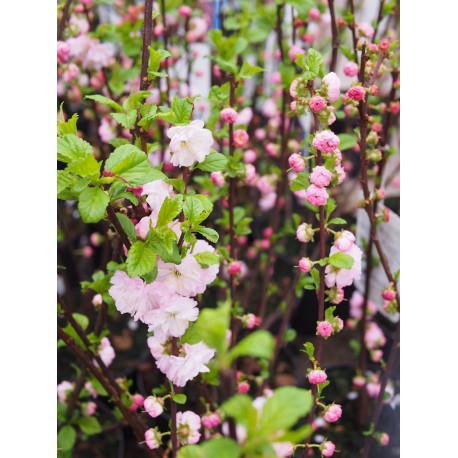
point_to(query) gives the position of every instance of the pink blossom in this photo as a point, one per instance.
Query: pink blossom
(294, 51)
(64, 389)
(332, 82)
(374, 336)
(305, 265)
(142, 228)
(218, 179)
(320, 176)
(389, 294)
(283, 449)
(185, 11)
(316, 195)
(172, 317)
(344, 277)
(137, 401)
(317, 376)
(394, 107)
(88, 408)
(356, 93)
(251, 176)
(384, 439)
(267, 201)
(333, 413)
(384, 44)
(304, 232)
(296, 162)
(350, 69)
(243, 387)
(359, 381)
(211, 420)
(240, 138)
(189, 143)
(63, 52)
(259, 134)
(197, 29)
(245, 115)
(106, 351)
(70, 73)
(157, 191)
(208, 274)
(376, 355)
(97, 300)
(340, 173)
(250, 320)
(88, 386)
(181, 278)
(191, 362)
(234, 268)
(266, 184)
(366, 29)
(272, 149)
(152, 438)
(106, 130)
(336, 295)
(373, 389)
(188, 425)
(317, 103)
(293, 87)
(249, 156)
(228, 115)
(326, 141)
(153, 406)
(327, 448)
(344, 241)
(324, 329)
(314, 14)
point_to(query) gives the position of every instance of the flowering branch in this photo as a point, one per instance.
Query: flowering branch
(335, 36)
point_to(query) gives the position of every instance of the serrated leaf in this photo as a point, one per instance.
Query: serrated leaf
(141, 259)
(210, 234)
(66, 127)
(171, 208)
(214, 162)
(309, 349)
(347, 141)
(66, 438)
(86, 166)
(105, 101)
(221, 447)
(127, 225)
(240, 407)
(177, 183)
(301, 182)
(135, 100)
(70, 147)
(155, 58)
(81, 184)
(126, 120)
(89, 425)
(193, 208)
(259, 344)
(206, 259)
(340, 221)
(92, 204)
(341, 260)
(65, 180)
(248, 70)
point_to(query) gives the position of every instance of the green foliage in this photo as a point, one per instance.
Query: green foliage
(248, 70)
(179, 398)
(341, 260)
(127, 225)
(206, 259)
(70, 148)
(105, 101)
(170, 209)
(347, 141)
(259, 344)
(179, 113)
(66, 438)
(210, 234)
(126, 120)
(66, 127)
(311, 63)
(214, 162)
(141, 259)
(92, 204)
(300, 182)
(154, 62)
(221, 447)
(89, 425)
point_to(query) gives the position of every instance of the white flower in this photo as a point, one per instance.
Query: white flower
(173, 317)
(153, 406)
(332, 82)
(184, 368)
(189, 143)
(188, 425)
(157, 191)
(106, 352)
(63, 390)
(181, 278)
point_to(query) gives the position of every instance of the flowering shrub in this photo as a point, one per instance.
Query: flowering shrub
(202, 220)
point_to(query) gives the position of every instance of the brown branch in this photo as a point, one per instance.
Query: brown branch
(379, 19)
(63, 19)
(147, 36)
(353, 31)
(335, 36)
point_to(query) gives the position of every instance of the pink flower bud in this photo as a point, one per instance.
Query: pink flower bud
(317, 103)
(374, 89)
(268, 232)
(234, 268)
(314, 14)
(317, 376)
(249, 156)
(324, 329)
(152, 438)
(276, 78)
(373, 389)
(293, 51)
(184, 11)
(240, 138)
(259, 134)
(356, 93)
(153, 406)
(350, 69)
(316, 196)
(63, 52)
(304, 232)
(217, 179)
(395, 107)
(305, 265)
(97, 300)
(359, 381)
(326, 141)
(216, 71)
(384, 439)
(327, 448)
(293, 105)
(243, 387)
(376, 355)
(373, 47)
(384, 44)
(333, 413)
(389, 294)
(89, 408)
(345, 241)
(377, 127)
(228, 115)
(211, 420)
(296, 162)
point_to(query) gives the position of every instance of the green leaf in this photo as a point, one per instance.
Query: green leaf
(240, 407)
(65, 180)
(341, 260)
(206, 259)
(309, 349)
(86, 166)
(82, 320)
(177, 183)
(179, 398)
(210, 234)
(126, 120)
(127, 225)
(337, 221)
(170, 209)
(347, 141)
(300, 182)
(81, 184)
(131, 163)
(221, 447)
(105, 101)
(135, 100)
(284, 408)
(259, 344)
(70, 147)
(248, 70)
(66, 438)
(66, 127)
(193, 208)
(182, 110)
(214, 162)
(155, 58)
(316, 277)
(330, 207)
(89, 425)
(303, 7)
(92, 204)
(141, 259)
